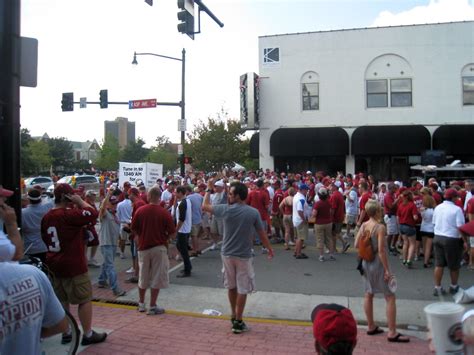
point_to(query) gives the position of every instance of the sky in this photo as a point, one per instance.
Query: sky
(88, 45)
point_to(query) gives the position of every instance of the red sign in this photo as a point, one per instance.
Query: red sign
(132, 104)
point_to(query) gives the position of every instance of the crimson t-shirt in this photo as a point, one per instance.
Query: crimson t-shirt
(323, 209)
(389, 200)
(153, 225)
(363, 200)
(62, 232)
(337, 203)
(405, 213)
(277, 198)
(260, 200)
(470, 206)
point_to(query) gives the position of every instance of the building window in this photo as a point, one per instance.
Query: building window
(468, 90)
(400, 93)
(310, 94)
(377, 95)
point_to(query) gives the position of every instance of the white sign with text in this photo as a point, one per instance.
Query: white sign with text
(136, 173)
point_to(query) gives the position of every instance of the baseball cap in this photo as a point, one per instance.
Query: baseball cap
(323, 191)
(34, 195)
(308, 172)
(449, 194)
(113, 200)
(133, 191)
(5, 192)
(219, 183)
(91, 193)
(303, 187)
(63, 189)
(333, 323)
(126, 184)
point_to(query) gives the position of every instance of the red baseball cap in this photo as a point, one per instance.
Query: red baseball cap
(61, 189)
(449, 194)
(5, 192)
(134, 191)
(333, 323)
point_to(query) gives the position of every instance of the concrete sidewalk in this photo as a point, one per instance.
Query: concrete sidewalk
(131, 332)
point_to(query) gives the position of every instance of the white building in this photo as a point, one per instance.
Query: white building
(370, 100)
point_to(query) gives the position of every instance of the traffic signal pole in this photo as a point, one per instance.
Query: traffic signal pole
(10, 101)
(183, 113)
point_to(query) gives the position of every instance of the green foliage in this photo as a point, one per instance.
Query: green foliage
(40, 156)
(26, 161)
(134, 152)
(163, 153)
(62, 153)
(109, 154)
(217, 143)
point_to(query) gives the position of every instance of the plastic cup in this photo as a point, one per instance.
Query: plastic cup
(444, 322)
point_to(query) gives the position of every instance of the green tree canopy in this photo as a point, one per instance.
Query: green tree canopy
(62, 152)
(162, 153)
(109, 154)
(134, 152)
(26, 163)
(40, 157)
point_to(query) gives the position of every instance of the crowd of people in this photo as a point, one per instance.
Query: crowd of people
(236, 211)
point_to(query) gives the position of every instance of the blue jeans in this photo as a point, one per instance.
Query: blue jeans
(107, 270)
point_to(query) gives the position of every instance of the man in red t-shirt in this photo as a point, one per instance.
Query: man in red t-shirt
(260, 199)
(137, 202)
(365, 195)
(338, 214)
(277, 217)
(153, 227)
(62, 232)
(390, 203)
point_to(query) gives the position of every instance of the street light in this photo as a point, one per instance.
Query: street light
(182, 102)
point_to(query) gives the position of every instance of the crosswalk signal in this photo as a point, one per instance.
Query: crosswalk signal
(186, 16)
(104, 100)
(67, 103)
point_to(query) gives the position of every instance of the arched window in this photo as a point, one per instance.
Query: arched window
(388, 81)
(310, 91)
(467, 75)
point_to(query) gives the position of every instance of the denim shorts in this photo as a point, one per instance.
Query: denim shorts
(407, 230)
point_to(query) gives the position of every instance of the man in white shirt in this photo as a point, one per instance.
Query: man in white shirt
(448, 243)
(182, 212)
(301, 213)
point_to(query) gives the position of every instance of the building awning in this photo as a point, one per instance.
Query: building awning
(306, 142)
(255, 146)
(390, 140)
(454, 139)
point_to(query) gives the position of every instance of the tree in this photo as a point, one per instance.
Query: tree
(26, 163)
(163, 153)
(134, 152)
(109, 154)
(40, 157)
(62, 153)
(216, 144)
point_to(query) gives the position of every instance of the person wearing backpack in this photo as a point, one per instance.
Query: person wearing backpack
(372, 244)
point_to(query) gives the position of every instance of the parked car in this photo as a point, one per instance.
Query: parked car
(90, 182)
(43, 181)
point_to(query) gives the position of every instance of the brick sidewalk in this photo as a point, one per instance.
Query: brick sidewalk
(131, 332)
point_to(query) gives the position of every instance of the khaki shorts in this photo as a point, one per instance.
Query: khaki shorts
(217, 226)
(154, 265)
(277, 221)
(323, 234)
(123, 235)
(238, 274)
(288, 221)
(301, 232)
(351, 219)
(73, 290)
(196, 229)
(206, 220)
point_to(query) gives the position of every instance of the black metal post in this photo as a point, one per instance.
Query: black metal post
(183, 113)
(10, 100)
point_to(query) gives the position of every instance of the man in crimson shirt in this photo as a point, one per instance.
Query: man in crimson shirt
(338, 213)
(137, 202)
(260, 200)
(62, 232)
(365, 195)
(153, 227)
(390, 203)
(277, 217)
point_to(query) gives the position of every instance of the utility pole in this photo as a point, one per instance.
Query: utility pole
(10, 100)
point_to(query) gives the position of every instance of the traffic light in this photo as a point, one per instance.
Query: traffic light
(186, 16)
(104, 101)
(188, 160)
(67, 103)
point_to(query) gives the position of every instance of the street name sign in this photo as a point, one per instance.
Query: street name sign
(148, 103)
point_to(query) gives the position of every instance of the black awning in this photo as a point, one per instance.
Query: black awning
(454, 139)
(390, 140)
(305, 142)
(255, 146)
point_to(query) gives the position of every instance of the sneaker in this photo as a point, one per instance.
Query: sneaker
(239, 326)
(416, 258)
(453, 290)
(119, 292)
(93, 262)
(346, 247)
(130, 271)
(213, 246)
(141, 307)
(332, 258)
(94, 338)
(264, 251)
(345, 237)
(438, 292)
(102, 284)
(321, 258)
(122, 256)
(409, 264)
(133, 280)
(155, 310)
(301, 256)
(66, 338)
(291, 244)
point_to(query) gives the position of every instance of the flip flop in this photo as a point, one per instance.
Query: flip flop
(375, 331)
(398, 339)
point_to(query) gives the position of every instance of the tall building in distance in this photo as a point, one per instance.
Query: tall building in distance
(121, 129)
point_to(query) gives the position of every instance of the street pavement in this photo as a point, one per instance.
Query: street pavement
(288, 289)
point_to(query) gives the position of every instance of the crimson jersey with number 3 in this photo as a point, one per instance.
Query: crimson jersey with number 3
(62, 232)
